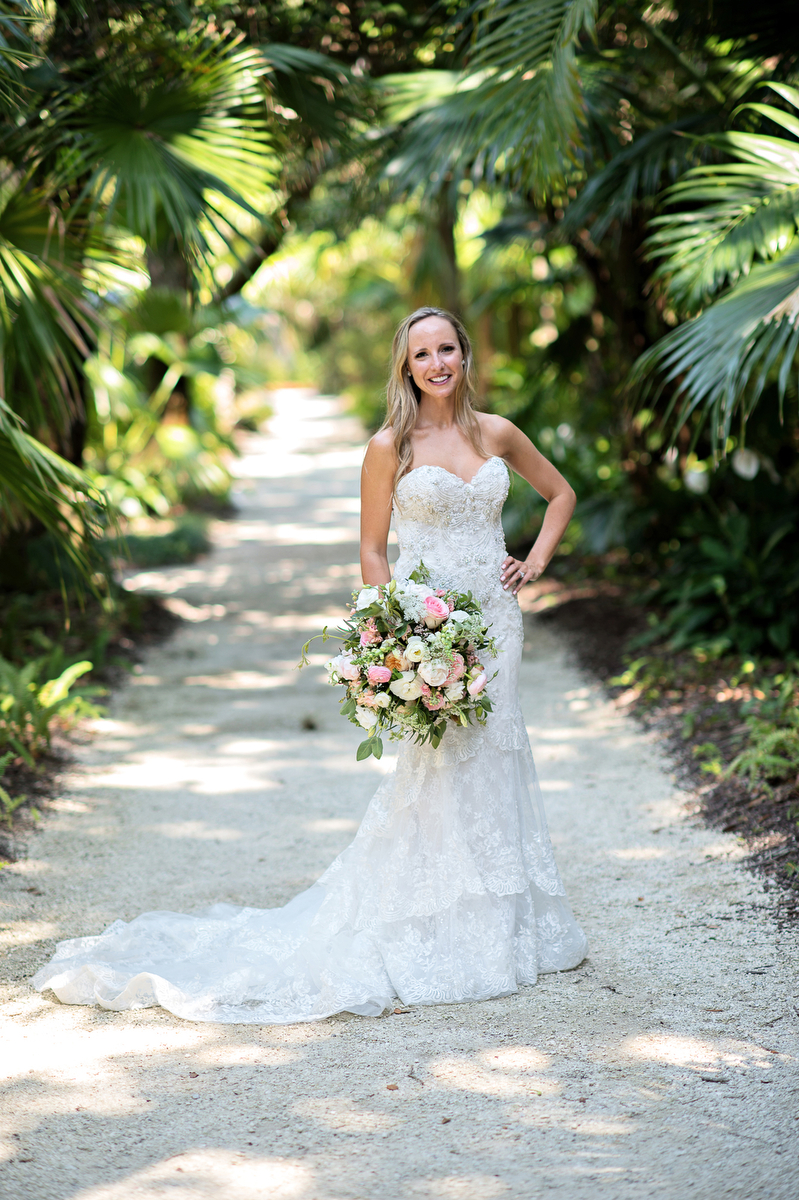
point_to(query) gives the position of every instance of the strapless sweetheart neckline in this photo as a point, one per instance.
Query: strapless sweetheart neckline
(452, 474)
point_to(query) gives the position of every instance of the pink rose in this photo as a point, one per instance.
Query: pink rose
(436, 611)
(378, 674)
(370, 635)
(477, 685)
(434, 703)
(458, 670)
(451, 604)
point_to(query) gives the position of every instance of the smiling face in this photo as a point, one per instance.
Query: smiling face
(435, 357)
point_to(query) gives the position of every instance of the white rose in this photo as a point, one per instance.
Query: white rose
(382, 700)
(459, 615)
(366, 596)
(408, 687)
(365, 717)
(414, 651)
(434, 673)
(455, 690)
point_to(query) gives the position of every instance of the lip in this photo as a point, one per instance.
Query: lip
(437, 380)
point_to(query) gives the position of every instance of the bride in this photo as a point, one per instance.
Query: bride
(449, 891)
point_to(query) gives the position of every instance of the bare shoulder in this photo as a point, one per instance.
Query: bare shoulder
(380, 460)
(499, 434)
(380, 451)
(382, 442)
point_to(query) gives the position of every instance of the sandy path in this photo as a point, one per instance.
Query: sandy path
(665, 1066)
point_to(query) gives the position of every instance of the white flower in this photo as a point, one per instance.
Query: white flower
(460, 615)
(366, 596)
(411, 597)
(434, 672)
(365, 717)
(414, 651)
(408, 687)
(382, 700)
(455, 690)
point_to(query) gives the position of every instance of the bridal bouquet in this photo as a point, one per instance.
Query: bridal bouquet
(412, 660)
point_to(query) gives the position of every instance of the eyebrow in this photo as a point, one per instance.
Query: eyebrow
(441, 345)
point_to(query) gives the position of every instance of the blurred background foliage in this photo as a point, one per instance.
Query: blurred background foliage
(200, 201)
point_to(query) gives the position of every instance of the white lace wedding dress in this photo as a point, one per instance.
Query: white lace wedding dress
(449, 891)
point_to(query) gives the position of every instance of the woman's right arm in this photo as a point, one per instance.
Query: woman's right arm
(377, 478)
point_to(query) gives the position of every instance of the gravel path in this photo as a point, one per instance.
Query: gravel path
(665, 1066)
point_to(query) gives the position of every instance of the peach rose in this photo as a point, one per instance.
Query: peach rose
(458, 669)
(476, 686)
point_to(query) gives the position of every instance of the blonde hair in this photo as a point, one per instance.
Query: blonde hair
(403, 396)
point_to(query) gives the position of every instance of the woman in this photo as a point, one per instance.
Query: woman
(449, 891)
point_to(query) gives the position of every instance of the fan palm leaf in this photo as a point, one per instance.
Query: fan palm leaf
(161, 151)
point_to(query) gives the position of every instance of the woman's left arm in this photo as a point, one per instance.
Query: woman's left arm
(521, 454)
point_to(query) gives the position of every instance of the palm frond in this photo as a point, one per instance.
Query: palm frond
(635, 175)
(721, 361)
(37, 484)
(17, 52)
(725, 217)
(516, 111)
(46, 321)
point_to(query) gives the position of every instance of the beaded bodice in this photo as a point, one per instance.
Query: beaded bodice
(454, 527)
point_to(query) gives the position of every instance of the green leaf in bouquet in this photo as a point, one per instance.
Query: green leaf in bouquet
(372, 745)
(420, 575)
(348, 709)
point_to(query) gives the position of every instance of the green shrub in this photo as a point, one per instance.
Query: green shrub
(733, 581)
(29, 707)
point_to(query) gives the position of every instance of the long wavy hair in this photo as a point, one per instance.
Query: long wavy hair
(403, 396)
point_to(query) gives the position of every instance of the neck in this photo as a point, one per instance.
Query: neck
(436, 410)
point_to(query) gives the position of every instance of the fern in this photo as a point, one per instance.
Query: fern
(771, 754)
(29, 708)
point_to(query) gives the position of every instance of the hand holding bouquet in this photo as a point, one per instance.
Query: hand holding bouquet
(412, 660)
